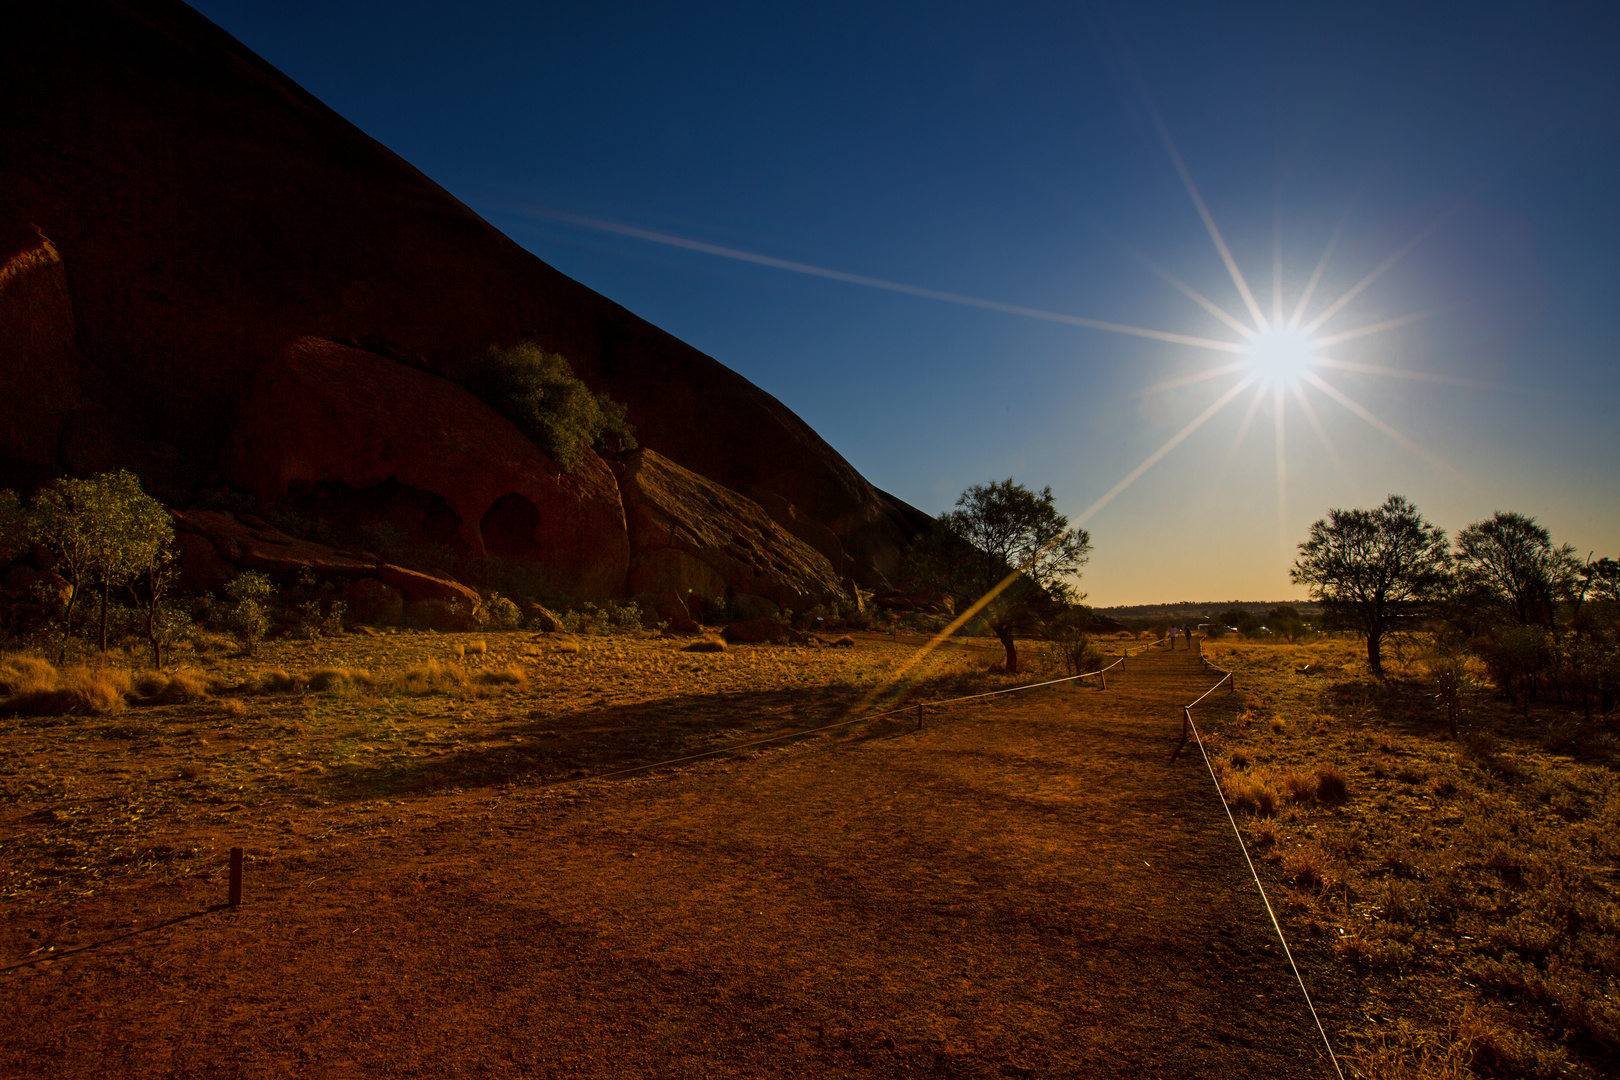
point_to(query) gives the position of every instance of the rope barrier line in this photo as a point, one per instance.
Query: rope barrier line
(829, 727)
(1187, 719)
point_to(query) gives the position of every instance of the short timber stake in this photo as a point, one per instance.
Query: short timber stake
(1186, 722)
(236, 877)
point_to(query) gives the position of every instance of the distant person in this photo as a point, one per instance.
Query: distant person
(1172, 638)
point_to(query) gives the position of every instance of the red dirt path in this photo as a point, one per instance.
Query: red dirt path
(1028, 887)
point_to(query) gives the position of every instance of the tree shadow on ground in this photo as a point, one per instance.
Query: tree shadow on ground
(548, 748)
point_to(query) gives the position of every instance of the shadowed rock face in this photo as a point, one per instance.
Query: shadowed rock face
(39, 360)
(208, 213)
(695, 537)
(323, 413)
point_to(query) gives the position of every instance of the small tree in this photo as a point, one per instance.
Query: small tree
(165, 624)
(253, 594)
(103, 532)
(1008, 547)
(539, 392)
(1370, 567)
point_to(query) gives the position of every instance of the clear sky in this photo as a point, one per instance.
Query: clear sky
(875, 211)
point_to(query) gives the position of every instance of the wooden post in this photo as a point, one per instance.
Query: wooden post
(1186, 723)
(1102, 677)
(236, 877)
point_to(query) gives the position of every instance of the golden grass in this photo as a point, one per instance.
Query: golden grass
(1474, 875)
(34, 687)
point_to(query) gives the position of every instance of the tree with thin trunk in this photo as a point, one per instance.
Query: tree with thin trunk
(1008, 547)
(102, 532)
(1370, 568)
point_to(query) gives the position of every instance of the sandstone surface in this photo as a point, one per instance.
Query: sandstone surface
(327, 414)
(699, 538)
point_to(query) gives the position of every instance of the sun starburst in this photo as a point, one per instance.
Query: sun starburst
(1279, 355)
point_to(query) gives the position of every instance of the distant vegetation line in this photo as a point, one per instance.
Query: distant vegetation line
(1188, 608)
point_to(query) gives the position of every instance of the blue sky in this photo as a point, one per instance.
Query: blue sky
(1012, 153)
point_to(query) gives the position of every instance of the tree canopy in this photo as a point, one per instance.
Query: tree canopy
(103, 531)
(538, 391)
(1511, 562)
(1006, 539)
(1370, 567)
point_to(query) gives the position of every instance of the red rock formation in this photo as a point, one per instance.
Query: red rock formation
(694, 536)
(209, 212)
(259, 547)
(39, 361)
(324, 413)
(214, 546)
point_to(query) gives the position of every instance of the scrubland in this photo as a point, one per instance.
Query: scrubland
(1461, 893)
(1471, 885)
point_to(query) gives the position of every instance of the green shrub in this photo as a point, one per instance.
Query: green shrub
(501, 613)
(249, 616)
(539, 392)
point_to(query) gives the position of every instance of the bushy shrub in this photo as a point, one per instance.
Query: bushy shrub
(539, 392)
(249, 616)
(501, 614)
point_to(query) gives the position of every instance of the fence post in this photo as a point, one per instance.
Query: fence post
(1231, 683)
(236, 877)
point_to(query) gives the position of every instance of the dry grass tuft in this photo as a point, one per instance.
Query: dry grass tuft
(156, 688)
(277, 682)
(1279, 726)
(234, 707)
(1331, 786)
(433, 678)
(1299, 787)
(24, 673)
(477, 648)
(508, 676)
(711, 644)
(38, 689)
(1239, 760)
(1306, 868)
(1251, 793)
(340, 680)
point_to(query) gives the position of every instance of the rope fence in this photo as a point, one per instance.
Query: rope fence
(1101, 674)
(1229, 680)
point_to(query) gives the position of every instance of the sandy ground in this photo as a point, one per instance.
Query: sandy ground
(1028, 887)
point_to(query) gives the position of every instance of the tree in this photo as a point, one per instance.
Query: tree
(250, 614)
(539, 392)
(1008, 547)
(1511, 561)
(1242, 621)
(103, 532)
(1370, 567)
(1285, 620)
(165, 624)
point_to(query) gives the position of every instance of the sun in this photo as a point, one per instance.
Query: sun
(1280, 355)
